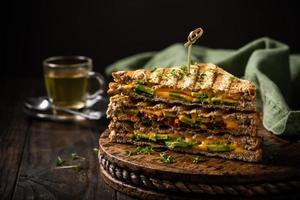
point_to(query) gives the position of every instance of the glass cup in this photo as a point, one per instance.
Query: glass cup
(67, 81)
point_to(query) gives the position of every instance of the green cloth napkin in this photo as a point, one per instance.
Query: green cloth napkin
(264, 61)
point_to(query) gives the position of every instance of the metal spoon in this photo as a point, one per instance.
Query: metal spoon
(43, 104)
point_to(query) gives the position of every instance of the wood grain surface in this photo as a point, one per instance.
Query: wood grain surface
(277, 173)
(29, 149)
(13, 134)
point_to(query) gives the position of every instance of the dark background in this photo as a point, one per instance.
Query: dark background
(107, 30)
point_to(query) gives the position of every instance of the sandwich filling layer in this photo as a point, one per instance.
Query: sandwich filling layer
(185, 139)
(186, 96)
(227, 146)
(124, 109)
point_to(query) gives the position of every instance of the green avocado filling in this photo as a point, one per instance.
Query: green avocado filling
(200, 97)
(143, 90)
(219, 147)
(179, 142)
(218, 101)
(187, 120)
(177, 96)
(152, 137)
(131, 111)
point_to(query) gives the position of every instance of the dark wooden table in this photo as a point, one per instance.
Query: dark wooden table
(29, 149)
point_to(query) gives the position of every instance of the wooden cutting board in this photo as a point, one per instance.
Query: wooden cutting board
(145, 176)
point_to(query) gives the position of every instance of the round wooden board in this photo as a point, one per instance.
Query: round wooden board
(278, 172)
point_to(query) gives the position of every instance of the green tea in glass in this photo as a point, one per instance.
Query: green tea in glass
(67, 80)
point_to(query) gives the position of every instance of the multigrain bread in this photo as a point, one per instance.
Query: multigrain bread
(206, 85)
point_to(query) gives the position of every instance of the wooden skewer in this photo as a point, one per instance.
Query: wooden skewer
(192, 38)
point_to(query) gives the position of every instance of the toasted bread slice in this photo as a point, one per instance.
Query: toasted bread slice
(124, 108)
(226, 146)
(206, 85)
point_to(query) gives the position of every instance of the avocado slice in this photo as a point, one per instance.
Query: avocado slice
(179, 143)
(161, 137)
(131, 111)
(219, 147)
(186, 119)
(143, 90)
(177, 96)
(139, 135)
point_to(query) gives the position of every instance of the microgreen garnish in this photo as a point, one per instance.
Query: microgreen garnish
(75, 156)
(184, 69)
(173, 73)
(198, 159)
(60, 161)
(159, 74)
(153, 69)
(231, 78)
(96, 150)
(139, 150)
(128, 153)
(165, 158)
(213, 70)
(64, 164)
(139, 82)
(176, 74)
(143, 150)
(77, 167)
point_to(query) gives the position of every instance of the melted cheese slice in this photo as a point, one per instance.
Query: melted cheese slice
(165, 93)
(230, 124)
(128, 86)
(186, 95)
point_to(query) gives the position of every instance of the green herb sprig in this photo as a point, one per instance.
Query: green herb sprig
(144, 150)
(198, 159)
(166, 159)
(75, 156)
(60, 162)
(140, 150)
(64, 164)
(128, 153)
(159, 74)
(153, 69)
(96, 150)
